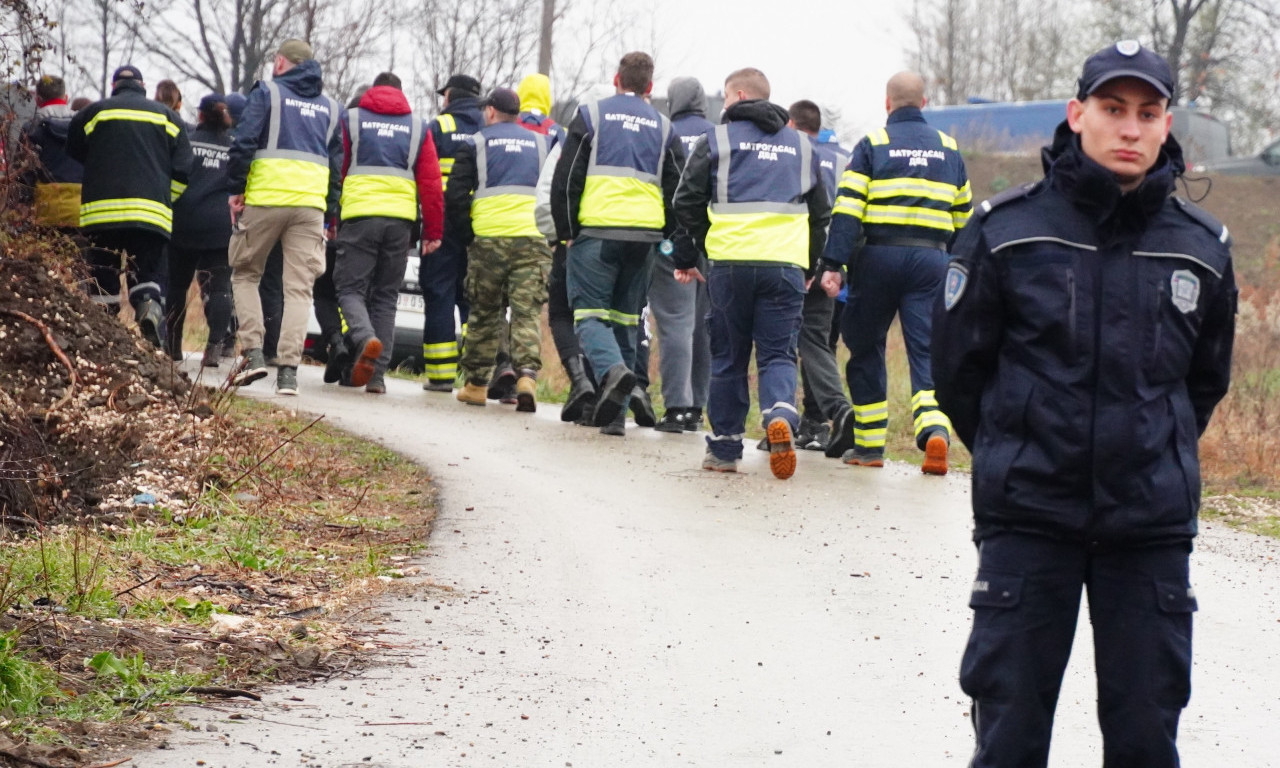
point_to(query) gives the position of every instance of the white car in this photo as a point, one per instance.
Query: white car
(407, 349)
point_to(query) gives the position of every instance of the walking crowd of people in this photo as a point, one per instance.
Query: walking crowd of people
(1075, 333)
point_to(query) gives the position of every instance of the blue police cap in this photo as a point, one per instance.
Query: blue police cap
(1127, 58)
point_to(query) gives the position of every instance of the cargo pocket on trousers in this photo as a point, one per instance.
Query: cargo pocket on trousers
(1176, 602)
(988, 668)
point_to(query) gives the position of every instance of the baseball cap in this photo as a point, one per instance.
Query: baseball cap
(503, 100)
(1127, 58)
(463, 83)
(295, 50)
(127, 72)
(235, 105)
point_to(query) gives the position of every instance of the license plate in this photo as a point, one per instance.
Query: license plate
(410, 302)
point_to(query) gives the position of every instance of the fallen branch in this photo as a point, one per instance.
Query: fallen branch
(112, 764)
(135, 586)
(275, 450)
(57, 352)
(227, 693)
(397, 723)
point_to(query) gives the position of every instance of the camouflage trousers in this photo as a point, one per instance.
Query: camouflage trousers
(505, 271)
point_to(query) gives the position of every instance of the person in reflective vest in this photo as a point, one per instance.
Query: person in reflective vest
(751, 198)
(391, 176)
(442, 273)
(610, 195)
(137, 160)
(907, 192)
(284, 175)
(535, 107)
(490, 205)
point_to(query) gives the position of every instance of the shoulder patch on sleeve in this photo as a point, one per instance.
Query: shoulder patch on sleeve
(1204, 219)
(953, 288)
(1009, 195)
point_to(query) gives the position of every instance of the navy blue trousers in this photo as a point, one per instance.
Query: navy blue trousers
(1026, 600)
(760, 306)
(441, 275)
(607, 282)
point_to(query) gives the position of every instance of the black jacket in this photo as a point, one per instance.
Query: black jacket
(1080, 344)
(200, 217)
(136, 158)
(694, 194)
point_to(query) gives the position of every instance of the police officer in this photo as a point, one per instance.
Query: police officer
(752, 195)
(136, 158)
(906, 191)
(442, 273)
(492, 198)
(285, 174)
(391, 177)
(1080, 345)
(609, 196)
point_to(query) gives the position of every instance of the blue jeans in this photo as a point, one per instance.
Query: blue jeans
(760, 306)
(1026, 600)
(607, 282)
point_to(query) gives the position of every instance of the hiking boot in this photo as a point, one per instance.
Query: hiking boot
(151, 323)
(377, 385)
(363, 368)
(527, 391)
(716, 464)
(472, 393)
(588, 417)
(437, 385)
(502, 387)
(863, 457)
(763, 445)
(672, 421)
(614, 388)
(617, 427)
(252, 368)
(642, 407)
(803, 434)
(840, 440)
(211, 355)
(935, 453)
(692, 419)
(337, 359)
(582, 392)
(287, 380)
(782, 451)
(817, 440)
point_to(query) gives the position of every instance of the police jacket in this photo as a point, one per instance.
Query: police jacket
(618, 170)
(495, 182)
(287, 150)
(200, 219)
(905, 182)
(389, 163)
(136, 158)
(751, 193)
(1081, 342)
(452, 130)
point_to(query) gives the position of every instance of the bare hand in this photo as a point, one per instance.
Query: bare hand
(688, 275)
(331, 232)
(831, 282)
(236, 204)
(429, 247)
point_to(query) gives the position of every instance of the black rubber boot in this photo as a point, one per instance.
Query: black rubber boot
(617, 427)
(582, 392)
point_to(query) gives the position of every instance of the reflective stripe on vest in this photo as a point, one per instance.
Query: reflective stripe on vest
(381, 190)
(618, 196)
(506, 210)
(289, 178)
(758, 231)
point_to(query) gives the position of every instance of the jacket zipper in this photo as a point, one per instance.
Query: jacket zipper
(1071, 318)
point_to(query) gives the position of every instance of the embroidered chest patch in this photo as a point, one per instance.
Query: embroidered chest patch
(1184, 289)
(957, 281)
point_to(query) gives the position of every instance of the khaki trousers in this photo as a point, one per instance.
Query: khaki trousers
(301, 235)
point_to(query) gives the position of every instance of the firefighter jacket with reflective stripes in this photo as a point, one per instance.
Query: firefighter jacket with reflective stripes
(495, 183)
(136, 158)
(200, 219)
(619, 168)
(904, 181)
(390, 167)
(751, 193)
(452, 129)
(1081, 341)
(287, 151)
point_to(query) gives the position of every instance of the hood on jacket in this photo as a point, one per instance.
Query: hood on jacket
(535, 94)
(767, 116)
(686, 97)
(57, 110)
(385, 100)
(306, 80)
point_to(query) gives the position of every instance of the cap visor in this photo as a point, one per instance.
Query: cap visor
(1160, 87)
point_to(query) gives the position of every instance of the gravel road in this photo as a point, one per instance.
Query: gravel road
(601, 602)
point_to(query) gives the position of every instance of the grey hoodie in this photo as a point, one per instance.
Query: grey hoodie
(686, 97)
